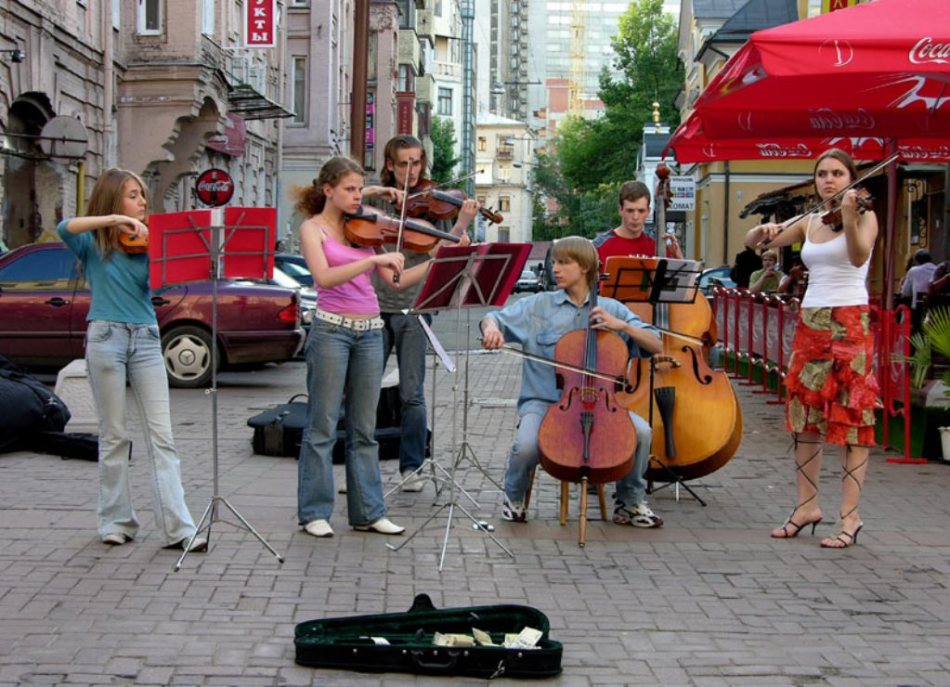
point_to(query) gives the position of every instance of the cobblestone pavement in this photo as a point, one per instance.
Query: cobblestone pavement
(708, 600)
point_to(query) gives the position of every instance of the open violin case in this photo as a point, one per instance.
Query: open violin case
(403, 642)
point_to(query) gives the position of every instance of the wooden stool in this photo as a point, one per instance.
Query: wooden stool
(565, 500)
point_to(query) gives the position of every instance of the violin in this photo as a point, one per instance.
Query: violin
(865, 202)
(429, 201)
(133, 245)
(369, 228)
(587, 435)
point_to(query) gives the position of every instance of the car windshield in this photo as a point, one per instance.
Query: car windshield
(527, 274)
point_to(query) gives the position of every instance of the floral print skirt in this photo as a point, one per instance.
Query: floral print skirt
(831, 385)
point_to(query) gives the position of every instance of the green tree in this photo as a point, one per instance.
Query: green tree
(589, 159)
(444, 159)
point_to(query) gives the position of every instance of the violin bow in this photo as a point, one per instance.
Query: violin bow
(817, 206)
(402, 215)
(553, 363)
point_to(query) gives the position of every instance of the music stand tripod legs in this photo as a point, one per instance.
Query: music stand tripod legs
(210, 515)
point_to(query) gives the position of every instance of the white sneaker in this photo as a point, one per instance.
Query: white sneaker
(115, 539)
(382, 526)
(412, 481)
(514, 511)
(318, 528)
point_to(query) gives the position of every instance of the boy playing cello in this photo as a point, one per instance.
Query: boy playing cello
(537, 323)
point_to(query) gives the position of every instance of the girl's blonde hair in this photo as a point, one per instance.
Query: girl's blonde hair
(580, 250)
(310, 200)
(770, 253)
(106, 199)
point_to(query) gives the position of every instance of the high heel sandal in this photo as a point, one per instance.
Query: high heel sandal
(798, 528)
(852, 538)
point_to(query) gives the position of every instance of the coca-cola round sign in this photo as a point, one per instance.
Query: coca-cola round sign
(214, 187)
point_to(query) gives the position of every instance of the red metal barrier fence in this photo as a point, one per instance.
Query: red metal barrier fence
(758, 329)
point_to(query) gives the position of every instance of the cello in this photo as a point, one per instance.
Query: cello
(587, 436)
(697, 420)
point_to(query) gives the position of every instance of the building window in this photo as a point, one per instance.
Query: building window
(372, 50)
(298, 95)
(149, 19)
(207, 17)
(482, 144)
(116, 14)
(406, 82)
(504, 234)
(438, 8)
(504, 203)
(504, 174)
(445, 101)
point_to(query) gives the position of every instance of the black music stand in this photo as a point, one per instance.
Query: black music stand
(194, 245)
(467, 277)
(655, 281)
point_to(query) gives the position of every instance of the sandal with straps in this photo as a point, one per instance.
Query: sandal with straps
(798, 528)
(852, 538)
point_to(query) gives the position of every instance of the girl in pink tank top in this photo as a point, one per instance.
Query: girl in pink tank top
(832, 391)
(344, 354)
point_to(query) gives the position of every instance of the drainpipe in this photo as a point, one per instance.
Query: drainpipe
(360, 71)
(725, 219)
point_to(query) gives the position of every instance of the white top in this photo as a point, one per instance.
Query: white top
(918, 281)
(832, 280)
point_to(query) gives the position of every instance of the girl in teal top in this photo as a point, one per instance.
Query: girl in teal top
(123, 347)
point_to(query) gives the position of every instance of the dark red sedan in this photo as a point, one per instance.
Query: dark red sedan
(44, 301)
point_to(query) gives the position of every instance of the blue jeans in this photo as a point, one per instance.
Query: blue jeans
(341, 362)
(404, 334)
(523, 457)
(116, 352)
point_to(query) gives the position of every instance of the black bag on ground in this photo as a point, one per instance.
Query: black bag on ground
(403, 642)
(279, 431)
(27, 406)
(67, 445)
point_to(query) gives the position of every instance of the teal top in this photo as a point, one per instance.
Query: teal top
(120, 288)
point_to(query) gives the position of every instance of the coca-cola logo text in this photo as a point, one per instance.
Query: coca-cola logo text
(926, 51)
(827, 119)
(777, 150)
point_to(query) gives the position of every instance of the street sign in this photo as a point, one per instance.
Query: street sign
(260, 23)
(684, 193)
(214, 187)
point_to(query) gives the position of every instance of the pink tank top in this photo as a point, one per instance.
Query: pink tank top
(356, 296)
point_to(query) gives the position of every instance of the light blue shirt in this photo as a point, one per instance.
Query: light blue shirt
(537, 323)
(120, 288)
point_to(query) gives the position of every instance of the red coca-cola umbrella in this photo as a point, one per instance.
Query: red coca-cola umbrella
(879, 69)
(873, 79)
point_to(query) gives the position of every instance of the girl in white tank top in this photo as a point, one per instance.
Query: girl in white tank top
(832, 391)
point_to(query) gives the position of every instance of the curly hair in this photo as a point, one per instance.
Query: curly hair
(310, 200)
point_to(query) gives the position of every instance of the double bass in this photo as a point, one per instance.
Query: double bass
(697, 419)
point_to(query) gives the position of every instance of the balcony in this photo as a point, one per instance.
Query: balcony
(248, 90)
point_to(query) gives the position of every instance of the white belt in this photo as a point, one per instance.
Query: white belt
(356, 324)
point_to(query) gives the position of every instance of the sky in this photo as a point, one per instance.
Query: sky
(672, 6)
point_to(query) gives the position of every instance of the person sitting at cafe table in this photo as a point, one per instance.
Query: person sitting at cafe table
(767, 279)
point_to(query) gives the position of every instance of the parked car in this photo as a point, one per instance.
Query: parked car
(307, 294)
(528, 281)
(295, 266)
(44, 301)
(715, 276)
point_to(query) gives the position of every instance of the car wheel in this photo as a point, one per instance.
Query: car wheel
(187, 354)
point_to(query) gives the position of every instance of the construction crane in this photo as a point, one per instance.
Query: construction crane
(576, 57)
